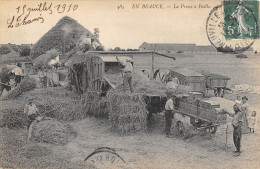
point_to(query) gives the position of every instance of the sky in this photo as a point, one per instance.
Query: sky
(120, 24)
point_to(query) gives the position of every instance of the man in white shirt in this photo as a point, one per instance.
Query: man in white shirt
(31, 112)
(128, 69)
(18, 72)
(169, 107)
(172, 84)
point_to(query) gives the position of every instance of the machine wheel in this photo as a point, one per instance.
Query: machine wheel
(192, 120)
(213, 129)
(180, 127)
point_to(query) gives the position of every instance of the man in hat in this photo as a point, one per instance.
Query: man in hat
(128, 69)
(169, 107)
(31, 112)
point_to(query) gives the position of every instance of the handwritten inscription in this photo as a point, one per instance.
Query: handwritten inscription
(24, 12)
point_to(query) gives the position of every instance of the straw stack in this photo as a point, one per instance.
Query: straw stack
(53, 132)
(90, 101)
(25, 85)
(127, 113)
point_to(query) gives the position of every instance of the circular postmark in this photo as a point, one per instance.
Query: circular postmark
(232, 27)
(105, 157)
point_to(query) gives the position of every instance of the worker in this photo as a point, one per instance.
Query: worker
(172, 84)
(169, 107)
(219, 92)
(43, 77)
(4, 80)
(128, 69)
(31, 112)
(18, 73)
(237, 122)
(94, 44)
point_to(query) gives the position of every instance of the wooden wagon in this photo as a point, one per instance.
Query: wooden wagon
(216, 82)
(203, 113)
(189, 78)
(198, 111)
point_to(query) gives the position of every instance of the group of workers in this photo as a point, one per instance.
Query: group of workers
(242, 122)
(6, 75)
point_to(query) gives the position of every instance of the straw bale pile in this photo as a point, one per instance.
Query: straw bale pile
(25, 85)
(141, 83)
(127, 113)
(90, 101)
(93, 104)
(53, 132)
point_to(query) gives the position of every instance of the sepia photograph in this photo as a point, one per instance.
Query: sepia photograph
(129, 84)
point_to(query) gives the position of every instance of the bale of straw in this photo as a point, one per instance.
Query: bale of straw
(53, 132)
(25, 85)
(94, 105)
(127, 113)
(90, 101)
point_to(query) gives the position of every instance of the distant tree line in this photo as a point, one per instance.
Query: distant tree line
(119, 49)
(22, 50)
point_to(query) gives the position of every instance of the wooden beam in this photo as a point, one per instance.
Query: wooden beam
(131, 52)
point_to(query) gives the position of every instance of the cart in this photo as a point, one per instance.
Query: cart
(189, 78)
(202, 113)
(216, 82)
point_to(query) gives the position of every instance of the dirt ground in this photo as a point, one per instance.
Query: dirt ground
(141, 150)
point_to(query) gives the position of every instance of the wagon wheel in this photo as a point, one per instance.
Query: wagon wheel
(180, 127)
(192, 120)
(213, 129)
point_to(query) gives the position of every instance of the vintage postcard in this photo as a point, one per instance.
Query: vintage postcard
(129, 84)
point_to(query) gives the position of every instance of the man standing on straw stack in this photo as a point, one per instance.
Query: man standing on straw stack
(169, 107)
(128, 69)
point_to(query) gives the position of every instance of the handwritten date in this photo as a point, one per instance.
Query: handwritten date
(23, 13)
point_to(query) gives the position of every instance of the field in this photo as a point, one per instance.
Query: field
(151, 149)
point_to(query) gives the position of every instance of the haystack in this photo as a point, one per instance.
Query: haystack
(53, 132)
(25, 85)
(141, 84)
(67, 31)
(127, 113)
